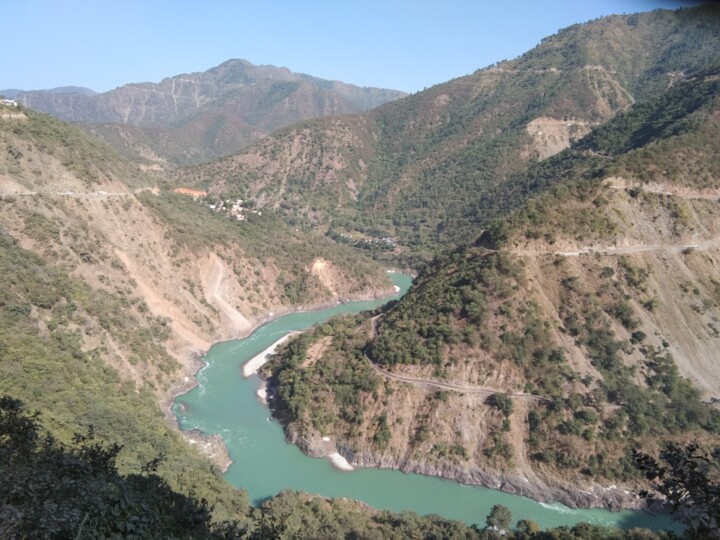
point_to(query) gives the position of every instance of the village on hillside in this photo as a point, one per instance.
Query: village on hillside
(232, 207)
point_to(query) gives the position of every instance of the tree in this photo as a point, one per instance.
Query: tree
(688, 482)
(502, 402)
(528, 526)
(499, 517)
(52, 490)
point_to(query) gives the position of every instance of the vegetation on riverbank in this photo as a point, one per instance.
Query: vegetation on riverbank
(43, 315)
(57, 490)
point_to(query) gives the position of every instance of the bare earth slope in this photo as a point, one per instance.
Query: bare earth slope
(175, 270)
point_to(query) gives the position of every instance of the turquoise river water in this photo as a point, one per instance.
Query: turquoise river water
(225, 403)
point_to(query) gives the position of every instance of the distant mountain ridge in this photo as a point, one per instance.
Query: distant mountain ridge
(432, 169)
(197, 116)
(10, 93)
(14, 92)
(71, 90)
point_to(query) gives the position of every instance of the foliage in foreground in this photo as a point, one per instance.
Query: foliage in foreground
(53, 490)
(688, 478)
(43, 362)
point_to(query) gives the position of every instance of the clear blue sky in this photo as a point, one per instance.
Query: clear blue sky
(401, 44)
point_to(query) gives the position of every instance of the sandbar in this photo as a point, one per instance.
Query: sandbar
(256, 362)
(340, 462)
(262, 393)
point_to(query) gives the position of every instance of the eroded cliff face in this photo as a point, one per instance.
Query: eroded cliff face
(547, 489)
(148, 253)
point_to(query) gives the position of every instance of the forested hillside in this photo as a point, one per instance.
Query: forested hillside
(427, 170)
(579, 327)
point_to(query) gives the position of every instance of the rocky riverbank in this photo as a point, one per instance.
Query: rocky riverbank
(213, 446)
(547, 490)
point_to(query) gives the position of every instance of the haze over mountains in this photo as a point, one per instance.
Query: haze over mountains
(198, 116)
(14, 92)
(560, 208)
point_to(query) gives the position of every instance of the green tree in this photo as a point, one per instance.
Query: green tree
(499, 517)
(50, 490)
(528, 526)
(503, 402)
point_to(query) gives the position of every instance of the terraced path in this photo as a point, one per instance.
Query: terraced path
(433, 385)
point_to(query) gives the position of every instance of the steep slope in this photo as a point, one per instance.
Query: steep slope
(58, 354)
(426, 169)
(587, 329)
(194, 117)
(114, 287)
(155, 231)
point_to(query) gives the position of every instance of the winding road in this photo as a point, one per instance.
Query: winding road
(435, 385)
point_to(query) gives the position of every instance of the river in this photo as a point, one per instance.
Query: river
(225, 403)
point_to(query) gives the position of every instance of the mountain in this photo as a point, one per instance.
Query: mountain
(71, 90)
(10, 93)
(197, 116)
(579, 327)
(431, 169)
(113, 287)
(562, 208)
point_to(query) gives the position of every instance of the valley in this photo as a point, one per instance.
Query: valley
(560, 214)
(258, 446)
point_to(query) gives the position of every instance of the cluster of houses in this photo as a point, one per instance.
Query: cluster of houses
(8, 102)
(387, 243)
(233, 208)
